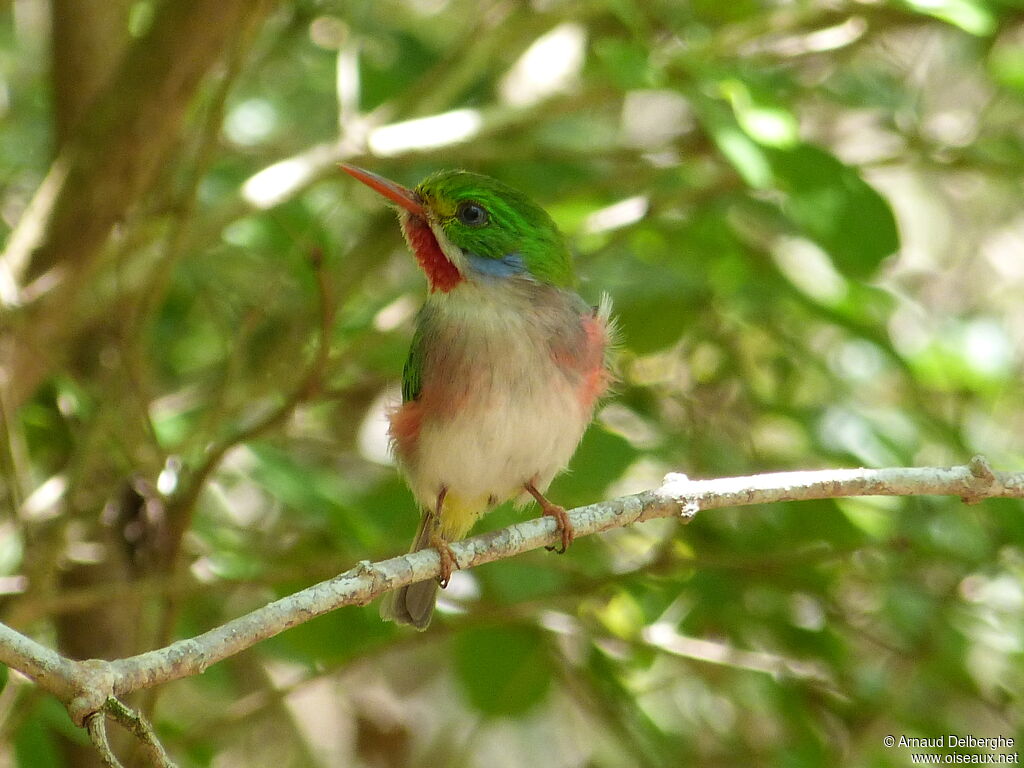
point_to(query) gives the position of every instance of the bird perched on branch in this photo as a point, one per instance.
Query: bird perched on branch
(506, 365)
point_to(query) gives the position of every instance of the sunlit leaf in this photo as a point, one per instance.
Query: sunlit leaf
(769, 124)
(972, 16)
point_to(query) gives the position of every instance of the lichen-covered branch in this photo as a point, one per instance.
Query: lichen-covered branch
(87, 686)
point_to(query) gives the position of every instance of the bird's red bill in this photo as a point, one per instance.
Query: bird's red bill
(396, 193)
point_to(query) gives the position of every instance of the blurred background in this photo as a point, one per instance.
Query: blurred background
(809, 215)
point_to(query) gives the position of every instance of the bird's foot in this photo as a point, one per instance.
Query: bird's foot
(553, 510)
(448, 561)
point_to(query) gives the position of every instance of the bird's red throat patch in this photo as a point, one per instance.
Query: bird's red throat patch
(441, 273)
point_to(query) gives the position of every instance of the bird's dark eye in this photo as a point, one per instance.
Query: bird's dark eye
(471, 214)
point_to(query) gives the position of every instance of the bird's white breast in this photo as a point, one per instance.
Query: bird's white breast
(515, 417)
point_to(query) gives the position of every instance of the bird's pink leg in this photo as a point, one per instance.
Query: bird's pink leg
(557, 512)
(438, 542)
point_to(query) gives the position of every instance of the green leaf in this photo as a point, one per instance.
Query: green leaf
(310, 491)
(717, 12)
(1006, 63)
(503, 670)
(742, 152)
(34, 745)
(971, 16)
(745, 154)
(625, 63)
(651, 303)
(37, 738)
(835, 207)
(767, 122)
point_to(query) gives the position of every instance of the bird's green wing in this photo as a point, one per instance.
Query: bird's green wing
(412, 373)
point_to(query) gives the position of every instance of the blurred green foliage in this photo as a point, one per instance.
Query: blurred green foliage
(810, 218)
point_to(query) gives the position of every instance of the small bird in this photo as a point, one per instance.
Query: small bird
(506, 365)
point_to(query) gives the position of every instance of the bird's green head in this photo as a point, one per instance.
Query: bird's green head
(463, 226)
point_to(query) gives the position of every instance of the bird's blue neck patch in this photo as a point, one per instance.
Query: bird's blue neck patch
(506, 266)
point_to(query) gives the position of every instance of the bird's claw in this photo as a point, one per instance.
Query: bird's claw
(564, 526)
(557, 512)
(449, 562)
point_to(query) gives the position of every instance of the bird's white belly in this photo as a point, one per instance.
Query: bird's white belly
(486, 452)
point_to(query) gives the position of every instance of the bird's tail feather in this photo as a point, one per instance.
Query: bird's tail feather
(414, 604)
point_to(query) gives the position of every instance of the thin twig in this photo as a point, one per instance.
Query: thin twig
(139, 727)
(135, 724)
(96, 726)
